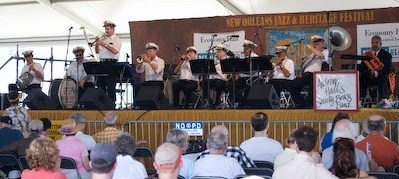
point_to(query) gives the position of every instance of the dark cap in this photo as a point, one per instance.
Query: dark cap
(103, 152)
(6, 119)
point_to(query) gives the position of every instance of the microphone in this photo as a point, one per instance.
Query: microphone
(235, 36)
(214, 35)
(70, 28)
(127, 55)
(82, 27)
(177, 47)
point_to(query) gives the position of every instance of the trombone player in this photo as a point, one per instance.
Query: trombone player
(283, 69)
(153, 66)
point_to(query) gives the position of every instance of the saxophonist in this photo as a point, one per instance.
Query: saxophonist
(376, 76)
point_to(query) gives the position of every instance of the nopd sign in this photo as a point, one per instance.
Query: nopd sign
(193, 128)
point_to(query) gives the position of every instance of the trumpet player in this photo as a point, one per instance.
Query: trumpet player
(35, 69)
(283, 69)
(152, 66)
(187, 82)
(379, 77)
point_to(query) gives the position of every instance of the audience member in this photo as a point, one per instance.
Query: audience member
(345, 129)
(46, 126)
(364, 133)
(215, 164)
(44, 160)
(70, 146)
(302, 164)
(80, 123)
(19, 115)
(231, 151)
(261, 147)
(180, 138)
(327, 138)
(19, 147)
(344, 165)
(127, 167)
(8, 135)
(384, 152)
(168, 161)
(110, 133)
(103, 161)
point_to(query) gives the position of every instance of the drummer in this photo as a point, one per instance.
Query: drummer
(35, 69)
(77, 72)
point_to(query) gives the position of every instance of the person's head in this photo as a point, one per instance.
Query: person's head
(179, 138)
(365, 127)
(103, 158)
(344, 129)
(42, 153)
(13, 97)
(46, 125)
(191, 52)
(110, 118)
(259, 122)
(36, 126)
(338, 117)
(151, 49)
(168, 160)
(306, 138)
(216, 143)
(291, 141)
(220, 129)
(281, 51)
(80, 120)
(344, 162)
(69, 127)
(109, 28)
(5, 121)
(125, 144)
(79, 53)
(376, 124)
(221, 51)
(376, 43)
(249, 47)
(28, 56)
(317, 41)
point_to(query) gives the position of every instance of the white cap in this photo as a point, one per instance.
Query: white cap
(248, 43)
(316, 38)
(27, 52)
(78, 48)
(109, 23)
(151, 45)
(221, 47)
(280, 49)
(192, 48)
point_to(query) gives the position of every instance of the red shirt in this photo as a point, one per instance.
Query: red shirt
(41, 174)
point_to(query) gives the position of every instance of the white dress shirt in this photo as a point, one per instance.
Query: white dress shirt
(150, 73)
(77, 72)
(127, 168)
(261, 148)
(112, 41)
(185, 72)
(38, 67)
(278, 72)
(217, 165)
(219, 74)
(316, 62)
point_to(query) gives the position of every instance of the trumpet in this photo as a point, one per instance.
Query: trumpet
(140, 58)
(91, 44)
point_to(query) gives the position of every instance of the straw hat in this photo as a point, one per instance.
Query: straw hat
(69, 126)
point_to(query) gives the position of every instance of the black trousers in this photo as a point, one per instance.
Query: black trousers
(187, 86)
(241, 89)
(82, 90)
(216, 84)
(295, 86)
(381, 81)
(108, 83)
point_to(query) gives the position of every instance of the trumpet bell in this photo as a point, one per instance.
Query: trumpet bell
(338, 38)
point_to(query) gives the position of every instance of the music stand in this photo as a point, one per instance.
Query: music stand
(262, 63)
(123, 72)
(203, 67)
(95, 69)
(355, 58)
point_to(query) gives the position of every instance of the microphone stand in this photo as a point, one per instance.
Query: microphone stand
(250, 55)
(88, 43)
(66, 63)
(208, 56)
(169, 70)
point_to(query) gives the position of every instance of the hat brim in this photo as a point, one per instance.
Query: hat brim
(77, 128)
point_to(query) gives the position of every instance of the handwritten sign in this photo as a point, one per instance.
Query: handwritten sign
(336, 90)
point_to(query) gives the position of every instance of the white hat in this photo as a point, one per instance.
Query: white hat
(221, 47)
(316, 38)
(27, 52)
(109, 23)
(248, 43)
(151, 45)
(78, 49)
(192, 48)
(280, 49)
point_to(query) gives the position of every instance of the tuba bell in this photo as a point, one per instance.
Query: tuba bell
(337, 38)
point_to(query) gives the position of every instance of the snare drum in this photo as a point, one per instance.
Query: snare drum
(64, 92)
(24, 80)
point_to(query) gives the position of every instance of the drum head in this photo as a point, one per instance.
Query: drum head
(68, 93)
(24, 80)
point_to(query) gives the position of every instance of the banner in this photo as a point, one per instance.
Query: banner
(232, 40)
(389, 33)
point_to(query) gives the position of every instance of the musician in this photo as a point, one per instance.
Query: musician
(108, 47)
(35, 69)
(188, 81)
(217, 81)
(379, 77)
(249, 47)
(283, 69)
(312, 64)
(152, 66)
(77, 72)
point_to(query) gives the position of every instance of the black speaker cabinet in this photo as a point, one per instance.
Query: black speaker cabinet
(38, 100)
(96, 99)
(151, 97)
(263, 96)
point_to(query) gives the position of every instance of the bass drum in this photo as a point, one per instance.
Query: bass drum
(64, 92)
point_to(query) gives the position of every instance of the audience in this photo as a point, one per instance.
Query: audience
(70, 146)
(19, 147)
(180, 138)
(215, 164)
(103, 161)
(345, 129)
(231, 151)
(44, 160)
(7, 134)
(46, 126)
(364, 133)
(261, 147)
(127, 167)
(302, 164)
(110, 133)
(86, 139)
(19, 115)
(327, 139)
(168, 161)
(384, 152)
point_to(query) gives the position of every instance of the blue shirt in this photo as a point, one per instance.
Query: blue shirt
(327, 141)
(8, 136)
(361, 159)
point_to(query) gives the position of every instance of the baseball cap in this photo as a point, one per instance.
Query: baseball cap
(36, 125)
(103, 154)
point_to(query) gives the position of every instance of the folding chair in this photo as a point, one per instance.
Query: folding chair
(208, 177)
(384, 175)
(259, 171)
(243, 176)
(24, 163)
(69, 163)
(143, 152)
(264, 164)
(10, 160)
(396, 169)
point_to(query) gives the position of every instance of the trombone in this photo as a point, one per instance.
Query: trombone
(257, 78)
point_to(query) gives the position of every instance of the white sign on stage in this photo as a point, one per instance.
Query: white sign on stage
(232, 40)
(336, 90)
(389, 33)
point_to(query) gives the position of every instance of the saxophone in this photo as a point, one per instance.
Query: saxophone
(374, 64)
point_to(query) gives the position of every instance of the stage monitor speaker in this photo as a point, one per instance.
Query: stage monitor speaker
(263, 96)
(4, 103)
(151, 97)
(38, 100)
(96, 99)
